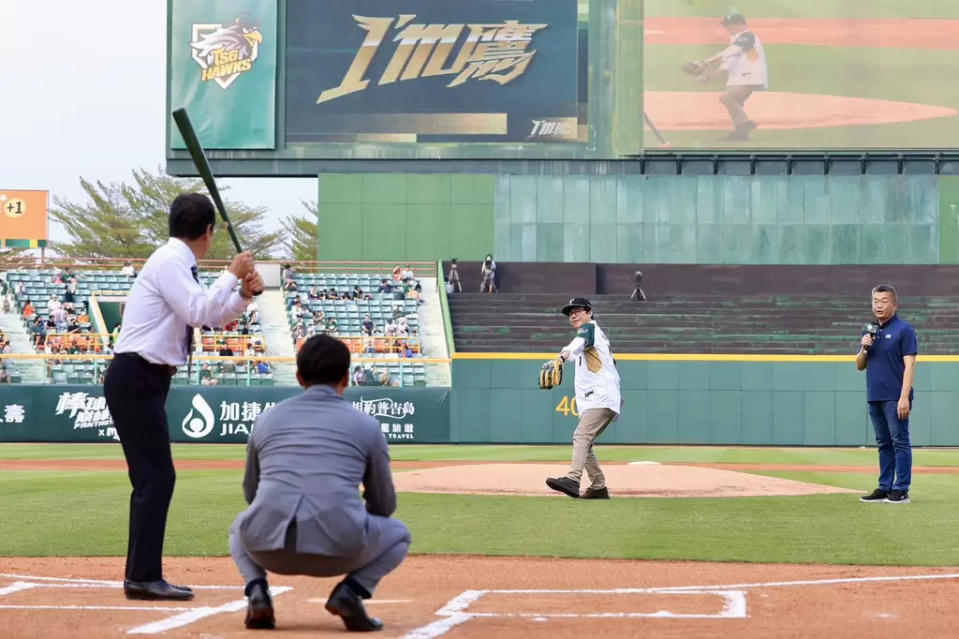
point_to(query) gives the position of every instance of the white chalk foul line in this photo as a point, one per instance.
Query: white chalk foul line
(195, 614)
(366, 602)
(453, 613)
(16, 586)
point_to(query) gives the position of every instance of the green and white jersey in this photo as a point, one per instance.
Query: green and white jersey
(597, 380)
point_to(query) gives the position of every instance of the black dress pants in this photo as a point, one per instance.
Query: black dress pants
(136, 392)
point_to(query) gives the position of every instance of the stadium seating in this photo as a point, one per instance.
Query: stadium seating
(349, 316)
(768, 324)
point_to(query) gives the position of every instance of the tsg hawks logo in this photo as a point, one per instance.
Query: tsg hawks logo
(224, 52)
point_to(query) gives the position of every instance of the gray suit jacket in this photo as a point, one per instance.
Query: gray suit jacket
(305, 461)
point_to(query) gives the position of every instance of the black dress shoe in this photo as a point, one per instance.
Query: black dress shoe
(564, 485)
(158, 589)
(259, 609)
(348, 605)
(595, 493)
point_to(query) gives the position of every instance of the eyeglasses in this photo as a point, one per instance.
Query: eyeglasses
(576, 311)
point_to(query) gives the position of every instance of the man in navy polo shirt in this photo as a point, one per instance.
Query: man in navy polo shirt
(889, 359)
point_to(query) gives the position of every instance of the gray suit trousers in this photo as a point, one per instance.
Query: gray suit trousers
(387, 542)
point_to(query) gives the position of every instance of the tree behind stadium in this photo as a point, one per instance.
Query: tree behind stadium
(130, 220)
(303, 238)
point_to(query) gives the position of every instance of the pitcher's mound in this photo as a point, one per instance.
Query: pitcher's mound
(622, 480)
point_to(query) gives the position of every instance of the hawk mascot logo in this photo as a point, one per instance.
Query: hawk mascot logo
(224, 52)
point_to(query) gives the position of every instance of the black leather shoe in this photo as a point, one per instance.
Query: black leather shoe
(595, 493)
(259, 609)
(348, 605)
(158, 589)
(564, 485)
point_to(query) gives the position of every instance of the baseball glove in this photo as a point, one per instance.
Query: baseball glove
(696, 68)
(551, 374)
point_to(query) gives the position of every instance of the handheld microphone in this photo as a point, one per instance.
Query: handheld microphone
(872, 329)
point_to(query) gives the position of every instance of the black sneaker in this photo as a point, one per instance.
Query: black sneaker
(595, 493)
(875, 497)
(898, 497)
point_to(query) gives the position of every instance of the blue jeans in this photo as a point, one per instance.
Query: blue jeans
(895, 451)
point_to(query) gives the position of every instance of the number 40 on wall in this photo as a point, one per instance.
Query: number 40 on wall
(567, 405)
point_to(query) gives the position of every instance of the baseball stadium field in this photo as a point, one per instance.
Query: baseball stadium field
(840, 74)
(655, 564)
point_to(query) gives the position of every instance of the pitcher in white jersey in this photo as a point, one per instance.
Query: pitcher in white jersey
(744, 62)
(597, 397)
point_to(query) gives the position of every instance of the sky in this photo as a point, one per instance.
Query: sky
(83, 93)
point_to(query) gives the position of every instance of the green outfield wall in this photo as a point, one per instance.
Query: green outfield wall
(806, 402)
(763, 401)
(707, 219)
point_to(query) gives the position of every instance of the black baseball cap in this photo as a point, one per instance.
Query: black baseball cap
(734, 18)
(577, 302)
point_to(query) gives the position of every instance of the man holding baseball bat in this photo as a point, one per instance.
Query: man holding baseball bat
(166, 301)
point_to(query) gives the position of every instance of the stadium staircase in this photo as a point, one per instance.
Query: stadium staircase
(761, 324)
(30, 370)
(276, 333)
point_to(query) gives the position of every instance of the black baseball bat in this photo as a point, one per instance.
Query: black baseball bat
(652, 127)
(193, 145)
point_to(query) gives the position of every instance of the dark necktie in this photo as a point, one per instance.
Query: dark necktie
(189, 332)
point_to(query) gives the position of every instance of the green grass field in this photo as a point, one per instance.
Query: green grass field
(47, 513)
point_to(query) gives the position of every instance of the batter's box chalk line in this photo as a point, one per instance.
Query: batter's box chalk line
(456, 611)
(185, 614)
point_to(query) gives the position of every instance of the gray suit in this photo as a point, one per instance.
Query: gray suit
(305, 461)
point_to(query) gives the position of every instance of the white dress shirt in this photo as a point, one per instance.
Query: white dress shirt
(165, 299)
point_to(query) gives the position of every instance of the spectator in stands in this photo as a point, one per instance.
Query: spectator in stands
(402, 328)
(407, 273)
(4, 373)
(488, 273)
(128, 269)
(299, 331)
(21, 289)
(28, 310)
(314, 293)
(73, 326)
(367, 326)
(385, 287)
(334, 295)
(254, 317)
(390, 329)
(73, 348)
(407, 350)
(206, 375)
(58, 277)
(101, 376)
(397, 274)
(289, 285)
(358, 293)
(38, 331)
(6, 347)
(257, 342)
(332, 326)
(397, 311)
(262, 368)
(323, 295)
(358, 375)
(319, 317)
(61, 319)
(369, 345)
(288, 273)
(70, 292)
(225, 350)
(53, 303)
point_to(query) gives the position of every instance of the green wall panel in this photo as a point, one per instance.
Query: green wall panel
(688, 402)
(405, 217)
(709, 219)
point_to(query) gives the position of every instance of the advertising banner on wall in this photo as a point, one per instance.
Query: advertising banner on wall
(222, 68)
(427, 71)
(213, 415)
(23, 218)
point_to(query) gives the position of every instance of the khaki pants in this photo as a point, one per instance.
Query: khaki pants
(592, 423)
(733, 98)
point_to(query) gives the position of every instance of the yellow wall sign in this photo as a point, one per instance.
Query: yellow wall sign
(23, 218)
